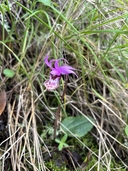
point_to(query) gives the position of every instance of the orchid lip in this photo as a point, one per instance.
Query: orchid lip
(51, 84)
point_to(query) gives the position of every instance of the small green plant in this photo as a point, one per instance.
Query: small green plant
(74, 126)
(9, 73)
(61, 142)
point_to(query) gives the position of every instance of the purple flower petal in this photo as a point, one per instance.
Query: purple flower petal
(65, 70)
(55, 72)
(47, 62)
(59, 70)
(57, 62)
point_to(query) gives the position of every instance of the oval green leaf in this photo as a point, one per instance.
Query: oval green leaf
(45, 2)
(78, 125)
(9, 73)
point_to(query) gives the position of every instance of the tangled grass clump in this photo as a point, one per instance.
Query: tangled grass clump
(92, 37)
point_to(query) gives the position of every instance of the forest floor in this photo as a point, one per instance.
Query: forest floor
(82, 123)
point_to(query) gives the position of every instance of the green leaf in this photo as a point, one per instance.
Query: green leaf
(9, 73)
(61, 142)
(78, 125)
(126, 130)
(45, 2)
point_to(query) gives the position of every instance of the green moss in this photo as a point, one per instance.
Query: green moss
(51, 165)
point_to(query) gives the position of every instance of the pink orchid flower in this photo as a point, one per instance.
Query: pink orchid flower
(56, 72)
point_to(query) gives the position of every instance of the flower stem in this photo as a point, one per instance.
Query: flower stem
(59, 107)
